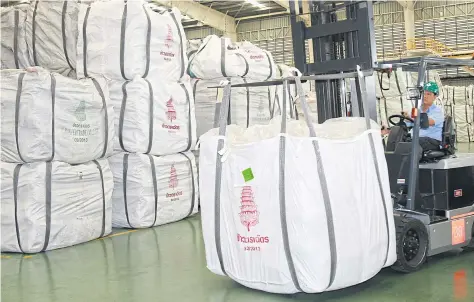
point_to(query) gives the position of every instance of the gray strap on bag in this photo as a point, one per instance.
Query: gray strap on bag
(282, 196)
(102, 232)
(48, 205)
(15, 39)
(151, 118)
(182, 50)
(190, 132)
(84, 39)
(247, 90)
(53, 102)
(63, 31)
(124, 186)
(270, 66)
(155, 187)
(363, 89)
(217, 189)
(106, 117)
(148, 42)
(16, 174)
(122, 115)
(247, 67)
(17, 114)
(224, 74)
(33, 42)
(122, 39)
(193, 191)
(322, 181)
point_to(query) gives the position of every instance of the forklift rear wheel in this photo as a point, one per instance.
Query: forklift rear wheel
(412, 244)
(470, 246)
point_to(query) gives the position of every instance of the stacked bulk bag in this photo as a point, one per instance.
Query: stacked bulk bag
(151, 190)
(46, 116)
(56, 183)
(274, 215)
(52, 32)
(125, 39)
(220, 57)
(153, 116)
(51, 205)
(249, 105)
(14, 50)
(459, 103)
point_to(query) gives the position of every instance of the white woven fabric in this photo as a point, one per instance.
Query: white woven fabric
(52, 31)
(151, 190)
(165, 108)
(122, 40)
(56, 205)
(14, 50)
(46, 116)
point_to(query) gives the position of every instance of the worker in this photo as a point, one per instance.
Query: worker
(430, 138)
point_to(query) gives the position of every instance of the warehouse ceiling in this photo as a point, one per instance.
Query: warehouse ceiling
(244, 8)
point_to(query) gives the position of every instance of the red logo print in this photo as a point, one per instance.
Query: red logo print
(169, 36)
(171, 112)
(173, 183)
(248, 209)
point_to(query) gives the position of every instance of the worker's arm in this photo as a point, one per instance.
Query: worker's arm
(436, 117)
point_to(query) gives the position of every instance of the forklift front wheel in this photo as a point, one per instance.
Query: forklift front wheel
(412, 244)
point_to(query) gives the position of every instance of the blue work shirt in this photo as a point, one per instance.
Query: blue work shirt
(436, 131)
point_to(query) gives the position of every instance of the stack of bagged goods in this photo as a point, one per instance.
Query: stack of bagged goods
(14, 50)
(274, 216)
(143, 53)
(219, 59)
(459, 103)
(391, 93)
(57, 185)
(294, 105)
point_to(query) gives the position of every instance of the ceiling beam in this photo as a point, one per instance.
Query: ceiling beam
(204, 14)
(286, 4)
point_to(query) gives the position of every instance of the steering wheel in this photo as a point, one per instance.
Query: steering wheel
(401, 119)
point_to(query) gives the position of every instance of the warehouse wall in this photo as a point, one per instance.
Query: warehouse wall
(449, 22)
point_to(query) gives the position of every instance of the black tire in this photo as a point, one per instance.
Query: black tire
(470, 246)
(412, 244)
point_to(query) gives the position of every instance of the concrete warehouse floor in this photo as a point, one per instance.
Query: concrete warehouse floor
(167, 263)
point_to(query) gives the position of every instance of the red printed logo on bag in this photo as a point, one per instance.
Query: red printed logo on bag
(171, 112)
(171, 116)
(169, 36)
(249, 217)
(248, 209)
(173, 184)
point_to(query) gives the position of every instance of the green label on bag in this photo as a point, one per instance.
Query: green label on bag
(248, 174)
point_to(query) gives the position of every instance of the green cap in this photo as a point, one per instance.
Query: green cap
(431, 87)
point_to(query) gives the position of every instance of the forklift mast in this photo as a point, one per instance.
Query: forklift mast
(334, 37)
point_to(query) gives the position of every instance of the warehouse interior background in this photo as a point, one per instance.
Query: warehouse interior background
(444, 28)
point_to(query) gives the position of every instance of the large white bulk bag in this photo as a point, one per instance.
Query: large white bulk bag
(249, 105)
(220, 57)
(274, 215)
(463, 114)
(151, 190)
(153, 116)
(51, 30)
(464, 133)
(393, 84)
(14, 50)
(46, 116)
(124, 39)
(51, 205)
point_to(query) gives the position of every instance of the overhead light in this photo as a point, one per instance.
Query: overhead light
(255, 3)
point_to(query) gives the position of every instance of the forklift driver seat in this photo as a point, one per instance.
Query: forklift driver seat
(447, 143)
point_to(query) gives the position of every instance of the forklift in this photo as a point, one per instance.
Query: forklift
(433, 191)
